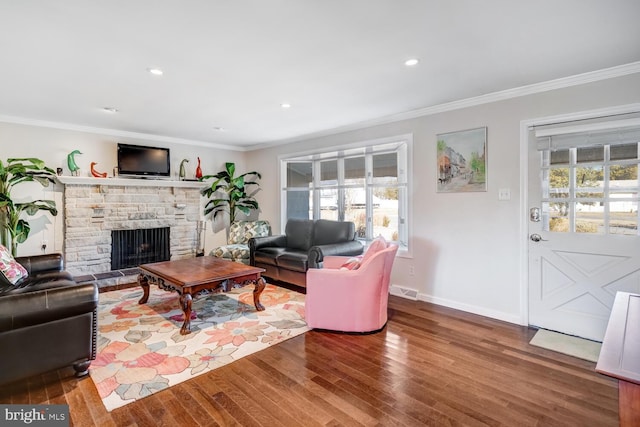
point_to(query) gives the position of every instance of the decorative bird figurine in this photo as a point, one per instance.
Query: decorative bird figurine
(182, 174)
(95, 173)
(71, 162)
(198, 170)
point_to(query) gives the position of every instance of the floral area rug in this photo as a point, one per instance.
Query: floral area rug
(141, 351)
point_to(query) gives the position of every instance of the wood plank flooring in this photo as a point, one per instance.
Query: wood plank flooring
(430, 366)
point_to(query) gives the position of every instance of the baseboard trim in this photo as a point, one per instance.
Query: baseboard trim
(469, 308)
(410, 294)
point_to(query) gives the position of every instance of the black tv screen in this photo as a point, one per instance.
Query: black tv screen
(137, 160)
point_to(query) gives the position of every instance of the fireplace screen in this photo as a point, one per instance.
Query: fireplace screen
(130, 248)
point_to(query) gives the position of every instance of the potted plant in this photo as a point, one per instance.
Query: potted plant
(229, 193)
(13, 229)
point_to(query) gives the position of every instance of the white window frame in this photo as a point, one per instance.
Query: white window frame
(369, 148)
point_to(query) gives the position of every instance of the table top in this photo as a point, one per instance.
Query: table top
(620, 353)
(199, 270)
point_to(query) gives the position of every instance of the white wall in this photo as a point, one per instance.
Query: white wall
(53, 145)
(465, 247)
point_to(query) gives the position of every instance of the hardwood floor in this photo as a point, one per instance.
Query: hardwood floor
(429, 366)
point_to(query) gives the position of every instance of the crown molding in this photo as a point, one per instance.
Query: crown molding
(115, 132)
(564, 82)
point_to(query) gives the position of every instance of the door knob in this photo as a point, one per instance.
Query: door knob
(537, 238)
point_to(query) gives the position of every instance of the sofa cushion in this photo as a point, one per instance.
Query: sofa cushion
(299, 234)
(268, 255)
(233, 252)
(293, 260)
(327, 232)
(11, 269)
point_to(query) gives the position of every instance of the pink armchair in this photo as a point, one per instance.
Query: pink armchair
(350, 300)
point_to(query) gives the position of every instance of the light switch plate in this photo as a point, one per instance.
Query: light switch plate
(504, 194)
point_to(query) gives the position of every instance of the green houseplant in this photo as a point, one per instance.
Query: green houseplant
(13, 229)
(229, 193)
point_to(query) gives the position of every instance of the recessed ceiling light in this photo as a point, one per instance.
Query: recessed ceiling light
(285, 105)
(110, 110)
(411, 62)
(155, 71)
(219, 129)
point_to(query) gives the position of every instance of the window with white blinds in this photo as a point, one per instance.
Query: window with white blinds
(590, 177)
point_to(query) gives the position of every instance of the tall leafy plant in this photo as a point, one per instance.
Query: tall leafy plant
(13, 228)
(230, 193)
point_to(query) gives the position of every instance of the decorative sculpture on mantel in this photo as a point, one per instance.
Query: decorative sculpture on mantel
(95, 173)
(198, 170)
(182, 174)
(71, 162)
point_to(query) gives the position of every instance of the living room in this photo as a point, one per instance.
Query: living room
(465, 251)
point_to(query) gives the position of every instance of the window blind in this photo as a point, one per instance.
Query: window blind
(614, 132)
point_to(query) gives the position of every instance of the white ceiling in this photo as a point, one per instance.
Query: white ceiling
(231, 63)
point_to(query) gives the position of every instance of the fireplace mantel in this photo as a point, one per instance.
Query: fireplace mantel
(128, 182)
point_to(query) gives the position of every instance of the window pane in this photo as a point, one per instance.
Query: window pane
(329, 172)
(590, 182)
(385, 168)
(329, 204)
(623, 181)
(299, 174)
(559, 217)
(559, 157)
(355, 198)
(590, 218)
(624, 217)
(299, 204)
(590, 154)
(355, 210)
(385, 213)
(559, 183)
(623, 152)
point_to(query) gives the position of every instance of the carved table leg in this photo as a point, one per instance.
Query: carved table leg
(259, 287)
(185, 304)
(143, 281)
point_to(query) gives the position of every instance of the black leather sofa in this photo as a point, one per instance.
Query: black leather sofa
(47, 321)
(304, 245)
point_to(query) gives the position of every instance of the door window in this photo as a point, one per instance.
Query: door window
(590, 189)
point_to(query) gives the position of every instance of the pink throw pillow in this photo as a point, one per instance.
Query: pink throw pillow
(378, 244)
(10, 268)
(351, 264)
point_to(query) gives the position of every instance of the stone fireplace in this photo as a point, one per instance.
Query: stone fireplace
(94, 207)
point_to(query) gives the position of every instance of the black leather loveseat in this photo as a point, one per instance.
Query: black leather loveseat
(304, 245)
(47, 320)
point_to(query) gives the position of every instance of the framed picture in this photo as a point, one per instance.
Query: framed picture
(462, 161)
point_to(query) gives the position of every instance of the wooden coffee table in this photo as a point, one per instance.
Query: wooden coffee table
(191, 276)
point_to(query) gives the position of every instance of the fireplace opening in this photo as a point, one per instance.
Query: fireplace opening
(130, 248)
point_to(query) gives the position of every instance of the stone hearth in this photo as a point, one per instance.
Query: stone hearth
(95, 206)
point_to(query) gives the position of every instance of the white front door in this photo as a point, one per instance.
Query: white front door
(583, 242)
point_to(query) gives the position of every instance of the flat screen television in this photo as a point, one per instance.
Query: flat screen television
(140, 161)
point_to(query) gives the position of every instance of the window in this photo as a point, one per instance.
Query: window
(365, 184)
(590, 181)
